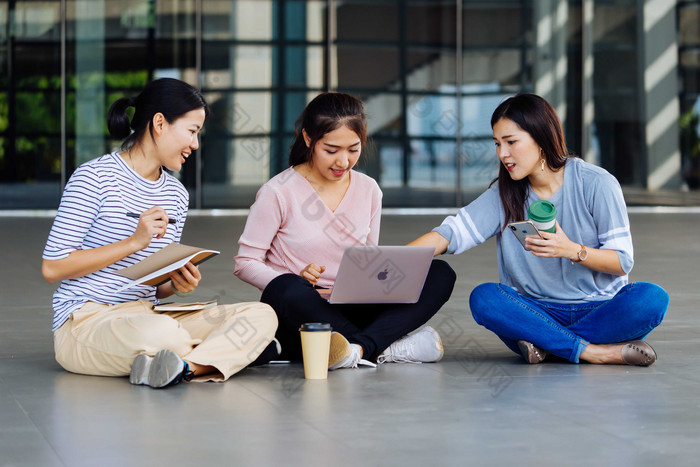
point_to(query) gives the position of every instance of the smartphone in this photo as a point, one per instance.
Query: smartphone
(524, 229)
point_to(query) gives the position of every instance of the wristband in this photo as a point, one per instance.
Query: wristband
(178, 293)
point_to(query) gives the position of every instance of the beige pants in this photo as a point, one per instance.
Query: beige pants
(104, 339)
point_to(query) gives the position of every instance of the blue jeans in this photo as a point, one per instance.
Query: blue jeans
(565, 329)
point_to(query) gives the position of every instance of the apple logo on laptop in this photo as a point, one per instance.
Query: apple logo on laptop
(383, 275)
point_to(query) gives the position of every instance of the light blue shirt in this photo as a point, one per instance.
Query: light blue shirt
(591, 211)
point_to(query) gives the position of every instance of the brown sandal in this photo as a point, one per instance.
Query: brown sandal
(638, 353)
(531, 353)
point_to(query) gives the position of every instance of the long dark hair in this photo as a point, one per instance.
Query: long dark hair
(171, 97)
(326, 112)
(537, 117)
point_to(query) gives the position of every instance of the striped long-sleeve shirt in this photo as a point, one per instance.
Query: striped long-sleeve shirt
(92, 213)
(591, 211)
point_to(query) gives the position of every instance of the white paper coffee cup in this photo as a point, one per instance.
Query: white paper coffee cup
(315, 347)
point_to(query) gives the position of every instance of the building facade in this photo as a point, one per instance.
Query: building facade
(624, 76)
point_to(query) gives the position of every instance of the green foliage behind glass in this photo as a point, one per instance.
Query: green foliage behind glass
(690, 141)
(38, 121)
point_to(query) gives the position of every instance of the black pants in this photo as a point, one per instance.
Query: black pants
(374, 326)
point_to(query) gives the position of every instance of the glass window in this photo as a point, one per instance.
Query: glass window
(259, 62)
(479, 162)
(30, 105)
(232, 20)
(494, 66)
(689, 23)
(257, 76)
(235, 146)
(368, 20)
(689, 51)
(495, 24)
(396, 63)
(615, 88)
(365, 67)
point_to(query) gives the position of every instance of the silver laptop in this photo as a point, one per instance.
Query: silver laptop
(381, 274)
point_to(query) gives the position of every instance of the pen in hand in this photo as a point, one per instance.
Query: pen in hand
(137, 216)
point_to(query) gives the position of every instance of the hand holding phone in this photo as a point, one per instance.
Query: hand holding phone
(523, 230)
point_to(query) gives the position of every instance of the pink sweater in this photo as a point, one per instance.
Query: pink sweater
(289, 227)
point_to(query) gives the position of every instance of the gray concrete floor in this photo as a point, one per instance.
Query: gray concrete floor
(481, 405)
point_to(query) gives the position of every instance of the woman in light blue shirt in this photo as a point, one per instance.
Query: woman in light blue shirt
(569, 294)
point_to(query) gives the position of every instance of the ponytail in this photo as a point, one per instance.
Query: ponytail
(117, 118)
(171, 97)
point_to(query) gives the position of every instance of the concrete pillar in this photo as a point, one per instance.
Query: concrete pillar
(587, 102)
(658, 93)
(550, 64)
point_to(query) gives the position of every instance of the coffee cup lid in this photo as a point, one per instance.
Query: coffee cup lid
(542, 211)
(311, 327)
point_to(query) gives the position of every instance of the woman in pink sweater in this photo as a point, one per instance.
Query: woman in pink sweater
(297, 231)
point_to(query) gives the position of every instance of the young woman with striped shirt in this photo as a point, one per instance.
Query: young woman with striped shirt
(115, 211)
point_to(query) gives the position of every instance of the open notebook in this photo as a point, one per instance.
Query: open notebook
(154, 269)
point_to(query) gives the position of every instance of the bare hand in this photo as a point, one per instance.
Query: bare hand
(312, 273)
(152, 223)
(553, 245)
(187, 278)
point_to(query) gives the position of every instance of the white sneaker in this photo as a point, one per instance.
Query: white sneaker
(163, 370)
(424, 346)
(343, 354)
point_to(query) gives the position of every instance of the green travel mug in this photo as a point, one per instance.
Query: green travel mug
(543, 214)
